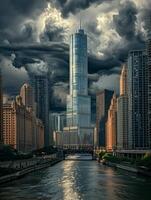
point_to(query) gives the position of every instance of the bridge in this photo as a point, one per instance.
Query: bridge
(78, 154)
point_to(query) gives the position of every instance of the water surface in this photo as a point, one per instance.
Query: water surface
(78, 180)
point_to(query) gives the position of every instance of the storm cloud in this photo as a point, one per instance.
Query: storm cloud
(73, 6)
(34, 39)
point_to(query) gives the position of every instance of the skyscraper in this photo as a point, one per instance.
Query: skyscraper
(1, 110)
(103, 101)
(111, 125)
(138, 137)
(41, 89)
(122, 112)
(148, 74)
(78, 101)
(27, 95)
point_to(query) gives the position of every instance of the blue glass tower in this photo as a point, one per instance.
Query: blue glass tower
(78, 101)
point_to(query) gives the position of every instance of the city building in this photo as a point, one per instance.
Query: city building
(122, 112)
(138, 137)
(57, 124)
(27, 94)
(40, 84)
(39, 134)
(58, 138)
(111, 126)
(79, 130)
(16, 125)
(1, 110)
(148, 75)
(103, 101)
(21, 129)
(57, 121)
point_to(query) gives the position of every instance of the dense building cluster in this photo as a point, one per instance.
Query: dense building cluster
(21, 128)
(122, 122)
(127, 126)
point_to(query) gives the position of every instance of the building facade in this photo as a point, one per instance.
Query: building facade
(21, 128)
(27, 94)
(111, 126)
(148, 75)
(122, 112)
(78, 102)
(103, 101)
(17, 126)
(1, 110)
(57, 121)
(40, 85)
(39, 134)
(138, 137)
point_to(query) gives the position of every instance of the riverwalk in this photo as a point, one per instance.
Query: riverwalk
(22, 167)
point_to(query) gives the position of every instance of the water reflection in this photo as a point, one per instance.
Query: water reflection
(69, 184)
(78, 180)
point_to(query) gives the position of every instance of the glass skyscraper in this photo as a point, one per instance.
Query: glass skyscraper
(78, 101)
(40, 84)
(138, 137)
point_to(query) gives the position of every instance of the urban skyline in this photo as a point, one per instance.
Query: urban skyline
(75, 99)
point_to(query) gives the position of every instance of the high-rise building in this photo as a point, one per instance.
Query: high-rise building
(111, 125)
(57, 124)
(40, 84)
(57, 121)
(21, 129)
(103, 101)
(27, 95)
(1, 110)
(148, 75)
(122, 112)
(138, 137)
(78, 101)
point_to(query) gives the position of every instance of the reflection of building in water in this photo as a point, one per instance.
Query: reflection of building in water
(78, 130)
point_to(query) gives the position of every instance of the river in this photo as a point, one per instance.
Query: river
(78, 180)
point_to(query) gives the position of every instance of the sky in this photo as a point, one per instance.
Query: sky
(35, 36)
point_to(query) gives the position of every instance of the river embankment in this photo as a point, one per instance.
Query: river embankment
(19, 168)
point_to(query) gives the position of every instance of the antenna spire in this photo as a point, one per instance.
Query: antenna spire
(80, 20)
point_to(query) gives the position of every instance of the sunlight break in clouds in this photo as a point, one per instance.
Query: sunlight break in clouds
(53, 16)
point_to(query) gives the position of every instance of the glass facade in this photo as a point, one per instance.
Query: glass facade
(137, 100)
(40, 84)
(78, 101)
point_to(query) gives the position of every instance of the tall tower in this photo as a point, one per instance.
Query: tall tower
(41, 88)
(122, 112)
(103, 101)
(138, 137)
(111, 125)
(27, 95)
(78, 101)
(1, 110)
(148, 74)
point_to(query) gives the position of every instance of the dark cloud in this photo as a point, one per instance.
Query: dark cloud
(17, 37)
(13, 12)
(125, 21)
(146, 18)
(74, 6)
(16, 19)
(38, 58)
(52, 33)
